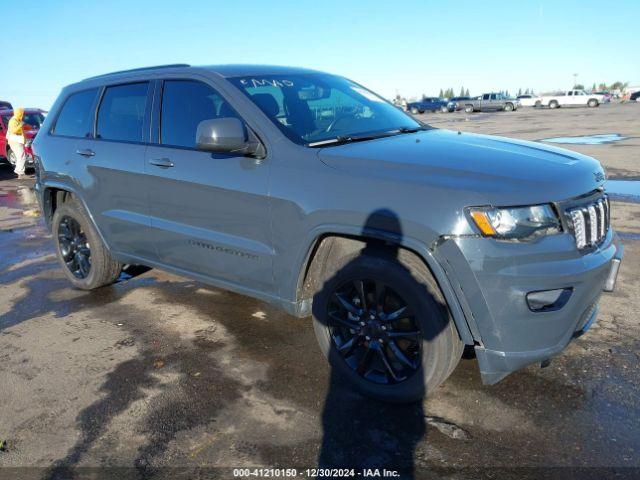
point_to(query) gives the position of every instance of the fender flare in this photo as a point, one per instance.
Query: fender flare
(57, 185)
(417, 247)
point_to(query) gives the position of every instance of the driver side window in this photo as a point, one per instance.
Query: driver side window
(186, 103)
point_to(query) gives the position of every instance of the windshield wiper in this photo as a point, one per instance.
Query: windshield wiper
(342, 139)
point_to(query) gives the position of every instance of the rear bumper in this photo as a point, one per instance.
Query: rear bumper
(493, 280)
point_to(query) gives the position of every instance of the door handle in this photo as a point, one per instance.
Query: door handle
(86, 152)
(161, 162)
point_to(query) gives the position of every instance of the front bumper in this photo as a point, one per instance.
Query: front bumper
(492, 280)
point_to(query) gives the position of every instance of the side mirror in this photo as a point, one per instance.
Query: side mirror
(225, 135)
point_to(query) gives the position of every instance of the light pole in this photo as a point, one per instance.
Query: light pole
(575, 79)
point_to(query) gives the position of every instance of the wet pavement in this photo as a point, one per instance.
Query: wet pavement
(158, 376)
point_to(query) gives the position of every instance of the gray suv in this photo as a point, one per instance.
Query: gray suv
(306, 190)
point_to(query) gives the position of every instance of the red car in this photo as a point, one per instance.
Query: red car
(32, 117)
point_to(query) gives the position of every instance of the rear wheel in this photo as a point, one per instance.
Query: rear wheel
(384, 325)
(468, 108)
(83, 257)
(444, 109)
(553, 104)
(415, 111)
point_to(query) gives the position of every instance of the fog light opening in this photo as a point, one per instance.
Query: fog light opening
(548, 300)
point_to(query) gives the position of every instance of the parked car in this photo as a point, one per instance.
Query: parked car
(431, 104)
(402, 242)
(33, 117)
(456, 103)
(529, 100)
(635, 96)
(5, 105)
(606, 96)
(571, 98)
(491, 102)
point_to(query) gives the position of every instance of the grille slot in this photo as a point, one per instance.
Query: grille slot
(590, 222)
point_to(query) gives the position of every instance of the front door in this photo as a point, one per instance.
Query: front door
(210, 213)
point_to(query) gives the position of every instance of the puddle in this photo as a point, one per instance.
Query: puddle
(587, 139)
(624, 189)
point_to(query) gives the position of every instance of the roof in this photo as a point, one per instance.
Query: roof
(238, 70)
(226, 71)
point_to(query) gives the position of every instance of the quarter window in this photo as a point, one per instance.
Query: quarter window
(186, 103)
(75, 118)
(121, 112)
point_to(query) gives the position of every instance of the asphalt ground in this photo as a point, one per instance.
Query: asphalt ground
(159, 376)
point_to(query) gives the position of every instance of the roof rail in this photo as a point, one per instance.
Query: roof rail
(143, 69)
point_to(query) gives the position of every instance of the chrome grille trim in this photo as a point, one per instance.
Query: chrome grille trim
(590, 222)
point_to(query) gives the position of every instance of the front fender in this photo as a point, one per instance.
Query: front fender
(303, 306)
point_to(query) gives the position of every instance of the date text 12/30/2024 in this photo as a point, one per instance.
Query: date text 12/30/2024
(315, 473)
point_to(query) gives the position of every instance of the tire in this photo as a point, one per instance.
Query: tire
(553, 104)
(11, 158)
(468, 108)
(439, 345)
(593, 103)
(102, 268)
(538, 104)
(444, 109)
(415, 111)
(508, 107)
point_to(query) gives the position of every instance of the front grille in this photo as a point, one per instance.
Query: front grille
(590, 222)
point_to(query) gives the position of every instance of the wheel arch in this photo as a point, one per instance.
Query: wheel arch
(340, 243)
(54, 194)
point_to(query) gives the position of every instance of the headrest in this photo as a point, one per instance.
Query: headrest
(267, 103)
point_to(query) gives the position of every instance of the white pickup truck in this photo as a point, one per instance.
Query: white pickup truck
(570, 98)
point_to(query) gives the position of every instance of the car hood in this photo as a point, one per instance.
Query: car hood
(492, 170)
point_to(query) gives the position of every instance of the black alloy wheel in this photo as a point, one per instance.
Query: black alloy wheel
(375, 331)
(74, 247)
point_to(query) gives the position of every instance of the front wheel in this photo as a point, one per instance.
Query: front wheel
(508, 107)
(444, 109)
(81, 253)
(384, 325)
(12, 157)
(553, 104)
(415, 111)
(592, 103)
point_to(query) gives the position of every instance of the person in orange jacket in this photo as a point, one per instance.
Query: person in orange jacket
(16, 139)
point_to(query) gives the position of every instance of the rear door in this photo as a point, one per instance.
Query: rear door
(114, 181)
(210, 213)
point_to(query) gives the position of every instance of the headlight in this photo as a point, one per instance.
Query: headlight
(516, 223)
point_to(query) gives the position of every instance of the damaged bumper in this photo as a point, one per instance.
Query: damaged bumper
(495, 283)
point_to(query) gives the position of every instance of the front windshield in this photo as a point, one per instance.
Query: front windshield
(34, 119)
(314, 108)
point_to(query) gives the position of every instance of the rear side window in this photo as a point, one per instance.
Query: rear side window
(75, 118)
(121, 112)
(186, 103)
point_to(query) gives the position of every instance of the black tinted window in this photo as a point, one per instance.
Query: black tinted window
(121, 112)
(186, 103)
(75, 119)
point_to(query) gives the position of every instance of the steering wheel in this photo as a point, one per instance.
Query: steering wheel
(337, 120)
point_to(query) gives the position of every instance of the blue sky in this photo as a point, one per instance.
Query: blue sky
(410, 47)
